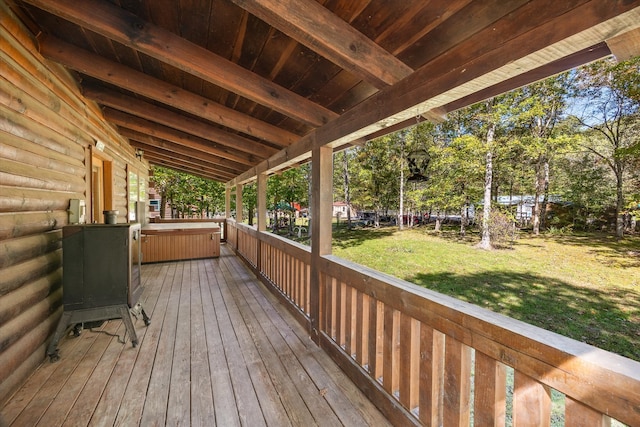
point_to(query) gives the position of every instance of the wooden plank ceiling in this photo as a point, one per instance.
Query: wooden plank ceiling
(218, 87)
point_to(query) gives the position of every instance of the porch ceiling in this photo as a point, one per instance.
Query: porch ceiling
(227, 88)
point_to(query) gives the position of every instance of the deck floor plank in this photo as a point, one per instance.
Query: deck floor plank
(56, 414)
(178, 407)
(225, 409)
(155, 300)
(24, 396)
(294, 405)
(258, 378)
(201, 387)
(62, 373)
(155, 406)
(347, 402)
(220, 350)
(301, 398)
(85, 406)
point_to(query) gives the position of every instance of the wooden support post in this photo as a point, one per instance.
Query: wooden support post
(321, 201)
(239, 203)
(227, 202)
(261, 192)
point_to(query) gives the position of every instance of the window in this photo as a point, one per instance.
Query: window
(101, 188)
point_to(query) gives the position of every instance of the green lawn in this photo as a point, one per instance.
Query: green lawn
(586, 287)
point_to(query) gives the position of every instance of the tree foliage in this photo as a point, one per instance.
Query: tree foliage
(187, 195)
(610, 95)
(574, 137)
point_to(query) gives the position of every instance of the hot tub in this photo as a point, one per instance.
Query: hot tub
(180, 241)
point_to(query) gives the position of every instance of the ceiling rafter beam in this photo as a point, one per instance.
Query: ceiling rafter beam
(155, 153)
(314, 26)
(117, 24)
(150, 128)
(134, 81)
(561, 30)
(218, 162)
(146, 110)
(576, 59)
(625, 46)
(159, 161)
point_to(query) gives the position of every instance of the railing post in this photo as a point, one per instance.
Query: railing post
(321, 200)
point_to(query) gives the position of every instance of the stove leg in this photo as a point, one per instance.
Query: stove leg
(52, 349)
(146, 318)
(126, 318)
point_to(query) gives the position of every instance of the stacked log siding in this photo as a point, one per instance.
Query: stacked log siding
(47, 133)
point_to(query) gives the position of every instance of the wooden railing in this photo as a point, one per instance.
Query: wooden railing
(425, 358)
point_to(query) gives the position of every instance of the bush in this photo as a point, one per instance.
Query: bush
(502, 229)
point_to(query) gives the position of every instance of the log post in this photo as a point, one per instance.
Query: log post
(321, 200)
(261, 192)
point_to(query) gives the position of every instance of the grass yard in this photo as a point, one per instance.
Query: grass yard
(586, 287)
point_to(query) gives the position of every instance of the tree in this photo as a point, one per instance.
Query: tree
(378, 177)
(341, 178)
(164, 181)
(485, 241)
(249, 200)
(285, 189)
(536, 111)
(187, 193)
(610, 95)
(484, 122)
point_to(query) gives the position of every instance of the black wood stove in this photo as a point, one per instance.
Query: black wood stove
(100, 278)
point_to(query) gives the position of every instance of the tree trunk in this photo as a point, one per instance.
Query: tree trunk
(163, 205)
(545, 192)
(619, 202)
(485, 242)
(401, 210)
(463, 220)
(347, 192)
(535, 215)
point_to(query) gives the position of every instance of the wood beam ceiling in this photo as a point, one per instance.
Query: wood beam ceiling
(145, 110)
(532, 35)
(156, 130)
(152, 154)
(119, 25)
(312, 25)
(625, 46)
(573, 60)
(197, 171)
(171, 148)
(134, 81)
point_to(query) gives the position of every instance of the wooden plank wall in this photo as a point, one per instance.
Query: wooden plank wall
(46, 131)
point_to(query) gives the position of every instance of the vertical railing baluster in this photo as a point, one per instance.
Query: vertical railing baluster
(531, 402)
(490, 391)
(578, 414)
(457, 383)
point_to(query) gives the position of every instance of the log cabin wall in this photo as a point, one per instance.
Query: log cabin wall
(48, 135)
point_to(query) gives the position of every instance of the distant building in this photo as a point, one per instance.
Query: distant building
(341, 208)
(525, 203)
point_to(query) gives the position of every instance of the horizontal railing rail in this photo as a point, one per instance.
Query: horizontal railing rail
(426, 358)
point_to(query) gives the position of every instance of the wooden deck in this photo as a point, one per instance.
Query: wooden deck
(220, 350)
